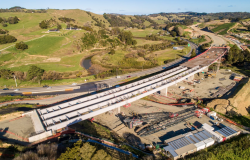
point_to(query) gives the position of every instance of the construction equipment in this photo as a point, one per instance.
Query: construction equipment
(158, 121)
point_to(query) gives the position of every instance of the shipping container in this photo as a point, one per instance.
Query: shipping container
(205, 125)
(200, 145)
(209, 142)
(212, 117)
(211, 114)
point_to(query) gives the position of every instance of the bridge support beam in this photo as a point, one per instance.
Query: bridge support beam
(218, 64)
(164, 92)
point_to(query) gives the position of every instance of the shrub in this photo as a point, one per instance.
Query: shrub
(7, 39)
(112, 52)
(21, 45)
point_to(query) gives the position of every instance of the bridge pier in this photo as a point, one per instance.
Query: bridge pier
(205, 70)
(190, 78)
(164, 92)
(118, 110)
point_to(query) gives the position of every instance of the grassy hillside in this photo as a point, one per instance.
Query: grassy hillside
(222, 29)
(63, 51)
(51, 51)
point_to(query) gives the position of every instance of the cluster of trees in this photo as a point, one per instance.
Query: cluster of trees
(153, 37)
(193, 53)
(127, 38)
(181, 42)
(43, 25)
(115, 31)
(21, 46)
(7, 39)
(37, 74)
(49, 23)
(4, 31)
(231, 15)
(21, 9)
(204, 46)
(236, 148)
(43, 151)
(92, 151)
(177, 31)
(10, 20)
(89, 39)
(155, 47)
(65, 19)
(86, 26)
(36, 11)
(237, 56)
(117, 21)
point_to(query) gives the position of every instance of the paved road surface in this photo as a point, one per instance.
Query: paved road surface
(217, 41)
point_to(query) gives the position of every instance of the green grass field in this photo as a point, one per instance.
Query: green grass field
(143, 33)
(144, 41)
(42, 46)
(223, 28)
(198, 40)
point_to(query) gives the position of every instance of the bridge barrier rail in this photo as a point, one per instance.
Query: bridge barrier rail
(115, 105)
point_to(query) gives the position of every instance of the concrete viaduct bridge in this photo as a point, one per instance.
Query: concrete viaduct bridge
(63, 115)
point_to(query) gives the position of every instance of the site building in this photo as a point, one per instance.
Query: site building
(182, 145)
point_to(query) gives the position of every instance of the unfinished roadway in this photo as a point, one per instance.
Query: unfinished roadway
(63, 115)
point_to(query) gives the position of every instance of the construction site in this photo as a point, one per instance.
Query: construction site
(157, 117)
(172, 113)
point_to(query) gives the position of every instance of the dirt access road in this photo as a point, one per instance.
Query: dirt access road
(217, 41)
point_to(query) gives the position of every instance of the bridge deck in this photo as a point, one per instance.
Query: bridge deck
(206, 58)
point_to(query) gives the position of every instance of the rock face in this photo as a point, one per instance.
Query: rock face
(240, 103)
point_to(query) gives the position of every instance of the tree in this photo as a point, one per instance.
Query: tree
(89, 39)
(248, 28)
(179, 31)
(51, 75)
(21, 45)
(59, 26)
(19, 75)
(43, 25)
(7, 39)
(127, 38)
(95, 69)
(193, 54)
(6, 73)
(4, 24)
(35, 73)
(112, 52)
(173, 33)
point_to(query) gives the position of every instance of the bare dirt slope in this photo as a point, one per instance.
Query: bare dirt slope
(241, 100)
(239, 103)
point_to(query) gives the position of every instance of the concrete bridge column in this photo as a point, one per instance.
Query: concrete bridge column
(206, 69)
(118, 110)
(191, 78)
(218, 64)
(164, 92)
